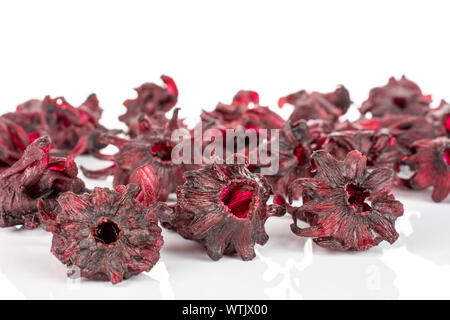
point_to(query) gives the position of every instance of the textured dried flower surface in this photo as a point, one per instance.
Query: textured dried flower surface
(347, 206)
(440, 117)
(152, 101)
(224, 207)
(316, 105)
(70, 128)
(294, 156)
(34, 176)
(379, 147)
(152, 147)
(107, 234)
(245, 111)
(431, 163)
(397, 97)
(13, 141)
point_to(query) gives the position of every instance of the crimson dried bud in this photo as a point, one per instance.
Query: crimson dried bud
(35, 175)
(347, 206)
(152, 100)
(397, 97)
(316, 105)
(107, 234)
(431, 163)
(153, 148)
(224, 207)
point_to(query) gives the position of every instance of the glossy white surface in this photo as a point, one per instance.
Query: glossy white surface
(212, 50)
(287, 267)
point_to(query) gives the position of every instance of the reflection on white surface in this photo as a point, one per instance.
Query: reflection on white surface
(287, 267)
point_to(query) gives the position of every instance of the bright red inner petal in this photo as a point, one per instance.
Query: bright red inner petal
(162, 151)
(57, 166)
(300, 155)
(447, 123)
(33, 136)
(238, 199)
(447, 156)
(106, 232)
(357, 197)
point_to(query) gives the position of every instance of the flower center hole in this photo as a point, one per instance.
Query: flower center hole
(447, 156)
(106, 232)
(162, 151)
(447, 123)
(238, 199)
(357, 197)
(400, 102)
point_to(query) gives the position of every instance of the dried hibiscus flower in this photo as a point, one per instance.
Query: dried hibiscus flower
(294, 156)
(431, 163)
(440, 117)
(316, 105)
(224, 207)
(145, 178)
(107, 234)
(347, 206)
(70, 128)
(152, 101)
(28, 116)
(35, 175)
(244, 111)
(154, 147)
(396, 97)
(406, 129)
(378, 146)
(13, 141)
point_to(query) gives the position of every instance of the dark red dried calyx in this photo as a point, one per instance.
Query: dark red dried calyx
(225, 114)
(28, 116)
(347, 206)
(316, 105)
(34, 176)
(440, 118)
(13, 141)
(244, 111)
(397, 97)
(246, 114)
(431, 164)
(223, 207)
(407, 129)
(379, 147)
(294, 156)
(145, 178)
(107, 234)
(71, 129)
(153, 147)
(152, 101)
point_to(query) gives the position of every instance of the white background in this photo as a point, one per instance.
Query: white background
(212, 49)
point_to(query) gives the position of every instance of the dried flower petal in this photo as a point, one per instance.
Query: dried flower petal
(396, 97)
(13, 141)
(316, 105)
(107, 234)
(70, 128)
(440, 117)
(153, 147)
(240, 112)
(348, 206)
(378, 146)
(28, 116)
(294, 156)
(152, 100)
(431, 162)
(35, 175)
(224, 207)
